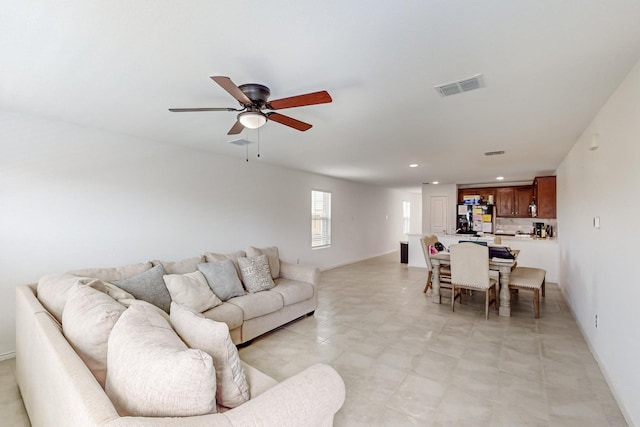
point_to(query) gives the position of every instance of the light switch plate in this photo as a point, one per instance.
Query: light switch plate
(596, 222)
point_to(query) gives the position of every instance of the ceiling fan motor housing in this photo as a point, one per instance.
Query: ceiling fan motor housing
(257, 93)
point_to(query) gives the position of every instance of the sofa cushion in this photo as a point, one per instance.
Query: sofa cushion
(293, 291)
(114, 273)
(191, 290)
(152, 373)
(228, 313)
(272, 255)
(258, 304)
(53, 291)
(213, 257)
(223, 279)
(255, 273)
(113, 291)
(188, 265)
(148, 286)
(87, 320)
(213, 337)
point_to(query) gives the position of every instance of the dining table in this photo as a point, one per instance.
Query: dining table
(502, 266)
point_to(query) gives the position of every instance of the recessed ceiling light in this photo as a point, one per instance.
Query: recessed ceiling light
(499, 178)
(413, 165)
(435, 182)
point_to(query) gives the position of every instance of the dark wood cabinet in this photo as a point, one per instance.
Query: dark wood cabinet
(505, 202)
(510, 202)
(482, 192)
(523, 197)
(544, 190)
(513, 202)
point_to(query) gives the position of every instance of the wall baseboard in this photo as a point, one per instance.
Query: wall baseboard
(355, 261)
(603, 369)
(6, 356)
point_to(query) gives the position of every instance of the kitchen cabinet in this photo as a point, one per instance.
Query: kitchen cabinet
(513, 202)
(544, 190)
(482, 192)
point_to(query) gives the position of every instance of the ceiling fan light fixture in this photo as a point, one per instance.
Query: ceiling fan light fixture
(252, 119)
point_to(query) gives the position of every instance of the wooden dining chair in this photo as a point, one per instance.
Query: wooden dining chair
(470, 270)
(445, 271)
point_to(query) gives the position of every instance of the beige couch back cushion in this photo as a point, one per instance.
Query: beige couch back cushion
(53, 291)
(112, 273)
(87, 320)
(152, 373)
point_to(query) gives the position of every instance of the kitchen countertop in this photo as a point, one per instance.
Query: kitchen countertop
(508, 237)
(526, 237)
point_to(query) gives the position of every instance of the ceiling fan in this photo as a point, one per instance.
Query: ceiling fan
(253, 99)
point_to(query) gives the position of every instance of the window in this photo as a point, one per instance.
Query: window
(320, 219)
(406, 217)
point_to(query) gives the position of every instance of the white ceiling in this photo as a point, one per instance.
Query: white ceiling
(548, 66)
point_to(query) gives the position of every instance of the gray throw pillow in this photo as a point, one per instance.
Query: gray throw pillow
(148, 286)
(256, 275)
(222, 278)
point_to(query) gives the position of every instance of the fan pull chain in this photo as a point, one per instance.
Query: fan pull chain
(246, 147)
(258, 143)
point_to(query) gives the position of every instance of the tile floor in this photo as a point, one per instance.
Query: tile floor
(12, 412)
(408, 362)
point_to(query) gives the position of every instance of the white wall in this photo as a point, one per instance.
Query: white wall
(73, 197)
(599, 274)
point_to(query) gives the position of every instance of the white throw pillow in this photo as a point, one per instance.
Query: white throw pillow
(87, 320)
(152, 373)
(213, 337)
(191, 290)
(256, 275)
(272, 255)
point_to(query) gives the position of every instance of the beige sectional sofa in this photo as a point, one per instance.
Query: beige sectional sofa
(251, 314)
(60, 386)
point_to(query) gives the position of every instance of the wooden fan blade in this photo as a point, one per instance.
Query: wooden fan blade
(321, 97)
(231, 87)
(188, 110)
(288, 121)
(236, 129)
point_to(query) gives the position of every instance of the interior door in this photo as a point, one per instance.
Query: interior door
(438, 214)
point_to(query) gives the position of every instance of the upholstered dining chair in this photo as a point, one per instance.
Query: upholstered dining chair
(470, 270)
(445, 271)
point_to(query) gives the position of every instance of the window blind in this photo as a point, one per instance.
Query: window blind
(406, 217)
(320, 219)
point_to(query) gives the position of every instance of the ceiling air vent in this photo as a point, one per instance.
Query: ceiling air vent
(463, 85)
(240, 142)
(494, 153)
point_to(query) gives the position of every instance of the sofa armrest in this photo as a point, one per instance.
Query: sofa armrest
(311, 397)
(301, 273)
